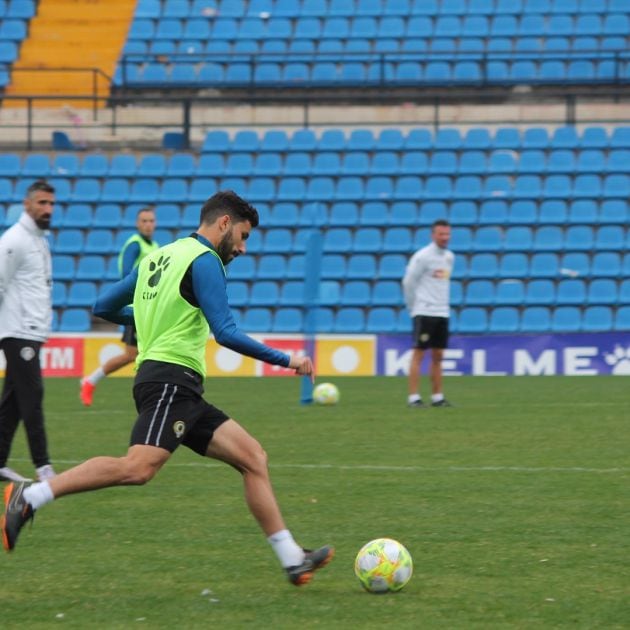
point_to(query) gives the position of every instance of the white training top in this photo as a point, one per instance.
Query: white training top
(426, 285)
(25, 282)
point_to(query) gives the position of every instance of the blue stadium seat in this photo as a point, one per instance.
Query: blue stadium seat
(514, 265)
(264, 293)
(616, 186)
(367, 239)
(483, 266)
(622, 318)
(523, 211)
(602, 291)
(349, 320)
(115, 191)
(510, 293)
(173, 190)
(610, 237)
(82, 293)
(288, 320)
(292, 293)
(373, 213)
(479, 292)
(99, 242)
(63, 267)
(355, 163)
(242, 268)
(298, 163)
(488, 238)
(518, 238)
(581, 211)
(472, 320)
(571, 291)
(361, 267)
(579, 237)
(78, 216)
(504, 319)
(381, 319)
(597, 319)
(539, 292)
(69, 242)
(338, 240)
(606, 264)
(391, 266)
(548, 238)
(283, 214)
(387, 293)
(566, 319)
(74, 320)
(461, 213)
(355, 293)
(257, 319)
(352, 188)
(91, 268)
(575, 263)
(278, 240)
(535, 319)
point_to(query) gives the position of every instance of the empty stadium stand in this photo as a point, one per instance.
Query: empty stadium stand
(536, 250)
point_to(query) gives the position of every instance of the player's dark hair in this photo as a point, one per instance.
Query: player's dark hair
(440, 223)
(228, 202)
(41, 185)
(145, 209)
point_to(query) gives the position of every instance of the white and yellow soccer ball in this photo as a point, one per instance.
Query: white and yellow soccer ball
(326, 394)
(383, 566)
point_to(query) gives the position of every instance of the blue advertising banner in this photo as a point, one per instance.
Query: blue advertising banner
(519, 355)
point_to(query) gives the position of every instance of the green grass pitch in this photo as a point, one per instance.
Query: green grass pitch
(514, 504)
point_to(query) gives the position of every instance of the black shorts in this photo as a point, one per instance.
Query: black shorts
(430, 332)
(170, 415)
(129, 336)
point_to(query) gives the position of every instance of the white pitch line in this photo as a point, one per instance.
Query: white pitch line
(367, 467)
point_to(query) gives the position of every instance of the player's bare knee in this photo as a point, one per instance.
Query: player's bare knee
(139, 473)
(257, 460)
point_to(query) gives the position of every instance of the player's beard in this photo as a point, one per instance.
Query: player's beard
(225, 249)
(43, 222)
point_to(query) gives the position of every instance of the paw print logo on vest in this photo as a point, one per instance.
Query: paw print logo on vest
(156, 269)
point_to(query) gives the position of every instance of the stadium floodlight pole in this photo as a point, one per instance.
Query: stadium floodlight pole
(312, 269)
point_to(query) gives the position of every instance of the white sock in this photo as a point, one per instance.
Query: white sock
(413, 398)
(96, 376)
(437, 397)
(288, 551)
(38, 494)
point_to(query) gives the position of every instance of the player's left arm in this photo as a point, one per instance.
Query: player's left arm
(113, 304)
(208, 282)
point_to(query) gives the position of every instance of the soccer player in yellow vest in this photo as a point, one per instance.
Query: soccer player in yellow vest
(179, 295)
(136, 247)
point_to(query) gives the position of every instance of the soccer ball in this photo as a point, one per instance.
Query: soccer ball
(326, 394)
(383, 565)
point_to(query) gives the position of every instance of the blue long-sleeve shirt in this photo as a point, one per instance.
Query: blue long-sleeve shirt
(129, 257)
(208, 285)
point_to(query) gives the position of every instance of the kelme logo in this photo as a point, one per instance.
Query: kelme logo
(156, 269)
(179, 427)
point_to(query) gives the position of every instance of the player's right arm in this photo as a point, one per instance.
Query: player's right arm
(11, 255)
(411, 279)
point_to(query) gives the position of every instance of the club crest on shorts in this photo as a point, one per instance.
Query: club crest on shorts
(424, 337)
(27, 353)
(179, 426)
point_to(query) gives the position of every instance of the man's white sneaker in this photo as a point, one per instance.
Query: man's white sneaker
(45, 472)
(8, 474)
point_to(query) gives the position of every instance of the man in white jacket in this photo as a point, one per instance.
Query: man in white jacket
(25, 320)
(426, 288)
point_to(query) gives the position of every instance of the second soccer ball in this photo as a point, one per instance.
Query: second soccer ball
(326, 394)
